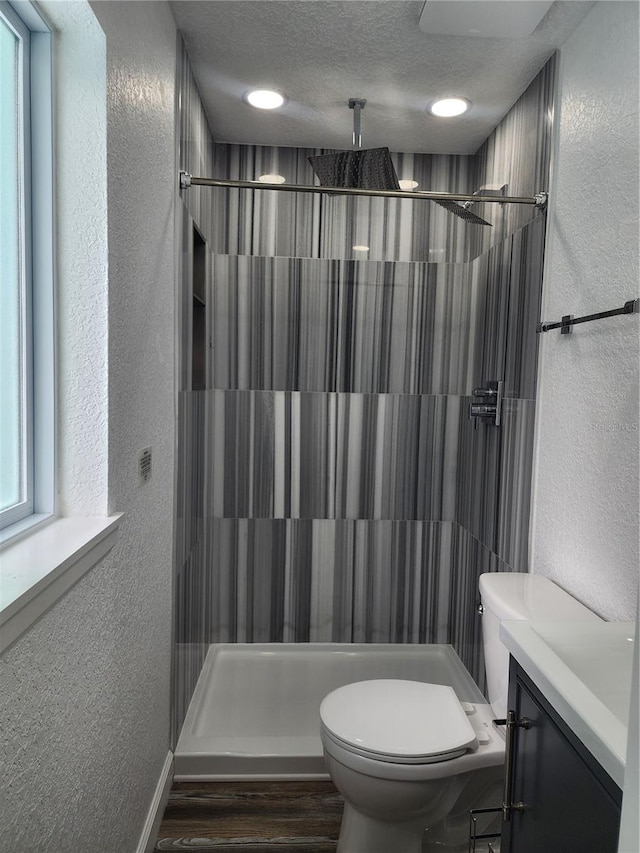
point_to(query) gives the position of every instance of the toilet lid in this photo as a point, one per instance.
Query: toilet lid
(408, 721)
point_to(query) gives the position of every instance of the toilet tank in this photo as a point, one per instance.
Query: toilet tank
(519, 597)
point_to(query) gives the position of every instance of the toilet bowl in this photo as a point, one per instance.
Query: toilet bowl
(400, 753)
(403, 754)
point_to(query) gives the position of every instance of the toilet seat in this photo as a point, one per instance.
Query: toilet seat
(390, 758)
(400, 722)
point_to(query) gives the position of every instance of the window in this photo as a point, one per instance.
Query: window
(26, 267)
(16, 498)
(46, 552)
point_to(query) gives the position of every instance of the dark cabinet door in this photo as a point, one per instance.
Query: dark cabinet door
(570, 805)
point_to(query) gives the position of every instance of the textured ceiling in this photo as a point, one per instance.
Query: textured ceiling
(323, 52)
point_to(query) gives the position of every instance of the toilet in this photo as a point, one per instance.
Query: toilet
(406, 755)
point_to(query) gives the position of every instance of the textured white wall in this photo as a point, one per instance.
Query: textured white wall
(585, 526)
(84, 703)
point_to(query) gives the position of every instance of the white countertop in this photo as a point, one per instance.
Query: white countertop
(584, 670)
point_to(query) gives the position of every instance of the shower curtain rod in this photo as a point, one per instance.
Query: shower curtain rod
(186, 180)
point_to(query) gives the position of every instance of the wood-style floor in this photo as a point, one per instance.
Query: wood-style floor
(251, 817)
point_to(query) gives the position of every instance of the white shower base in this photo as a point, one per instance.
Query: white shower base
(254, 712)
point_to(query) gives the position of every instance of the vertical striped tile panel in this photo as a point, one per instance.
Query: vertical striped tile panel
(190, 473)
(346, 580)
(480, 445)
(190, 628)
(494, 482)
(478, 478)
(195, 144)
(319, 226)
(190, 578)
(299, 455)
(525, 295)
(469, 559)
(514, 497)
(364, 327)
(184, 297)
(492, 312)
(401, 230)
(191, 631)
(517, 154)
(265, 222)
(496, 462)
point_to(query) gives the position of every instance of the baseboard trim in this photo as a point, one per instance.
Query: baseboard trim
(156, 809)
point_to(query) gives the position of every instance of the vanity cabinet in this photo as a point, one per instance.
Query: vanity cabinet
(569, 803)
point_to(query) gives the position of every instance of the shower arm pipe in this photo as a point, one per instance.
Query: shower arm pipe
(187, 180)
(357, 105)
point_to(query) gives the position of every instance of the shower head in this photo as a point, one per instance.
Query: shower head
(371, 169)
(367, 169)
(463, 212)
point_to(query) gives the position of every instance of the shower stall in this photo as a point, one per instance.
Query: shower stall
(331, 486)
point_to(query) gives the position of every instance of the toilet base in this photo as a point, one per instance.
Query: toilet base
(362, 834)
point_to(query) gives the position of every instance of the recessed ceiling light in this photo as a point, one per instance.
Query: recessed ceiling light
(265, 99)
(408, 185)
(360, 248)
(272, 179)
(449, 107)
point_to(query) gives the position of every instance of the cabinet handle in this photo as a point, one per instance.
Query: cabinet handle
(511, 725)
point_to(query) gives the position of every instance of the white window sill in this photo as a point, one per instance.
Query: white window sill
(42, 565)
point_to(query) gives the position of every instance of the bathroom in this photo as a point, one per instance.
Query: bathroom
(87, 690)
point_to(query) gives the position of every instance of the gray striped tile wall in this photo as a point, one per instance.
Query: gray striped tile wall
(494, 482)
(330, 485)
(494, 465)
(190, 575)
(304, 225)
(514, 494)
(190, 473)
(352, 326)
(525, 294)
(518, 154)
(469, 559)
(300, 580)
(195, 143)
(191, 624)
(359, 456)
